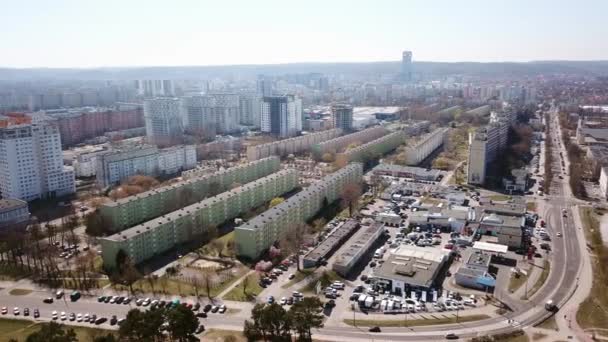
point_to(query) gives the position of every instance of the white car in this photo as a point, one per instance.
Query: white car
(291, 276)
(54, 315)
(559, 234)
(223, 308)
(283, 301)
(63, 316)
(79, 318)
(86, 317)
(4, 310)
(338, 285)
(16, 311)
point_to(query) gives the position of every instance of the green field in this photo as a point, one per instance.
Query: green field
(413, 322)
(20, 329)
(253, 289)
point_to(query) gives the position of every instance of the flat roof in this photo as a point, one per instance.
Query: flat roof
(360, 240)
(409, 269)
(479, 259)
(490, 247)
(11, 203)
(332, 240)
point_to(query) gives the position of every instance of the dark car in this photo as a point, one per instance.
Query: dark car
(101, 298)
(290, 301)
(101, 320)
(120, 299)
(215, 309)
(48, 300)
(207, 308)
(36, 313)
(93, 318)
(200, 329)
(451, 336)
(196, 307)
(107, 299)
(26, 312)
(374, 329)
(330, 304)
(127, 300)
(201, 315)
(113, 320)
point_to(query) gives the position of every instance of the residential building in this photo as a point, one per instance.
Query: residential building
(292, 145)
(84, 159)
(425, 146)
(154, 88)
(340, 143)
(191, 223)
(281, 115)
(372, 149)
(358, 246)
(249, 110)
(147, 205)
(198, 117)
(163, 120)
(485, 144)
(406, 66)
(264, 86)
(14, 214)
(31, 163)
(261, 232)
(121, 162)
(342, 117)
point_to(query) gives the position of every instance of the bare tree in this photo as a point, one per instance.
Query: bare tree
(293, 239)
(350, 195)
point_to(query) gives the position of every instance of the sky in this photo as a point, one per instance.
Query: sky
(108, 33)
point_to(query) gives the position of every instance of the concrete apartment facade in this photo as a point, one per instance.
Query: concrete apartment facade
(132, 210)
(292, 145)
(118, 164)
(421, 149)
(31, 163)
(161, 234)
(340, 143)
(257, 235)
(163, 120)
(14, 213)
(378, 147)
(342, 117)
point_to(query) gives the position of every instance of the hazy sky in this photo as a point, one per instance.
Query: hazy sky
(92, 33)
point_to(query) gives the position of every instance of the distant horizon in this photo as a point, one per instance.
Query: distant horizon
(310, 62)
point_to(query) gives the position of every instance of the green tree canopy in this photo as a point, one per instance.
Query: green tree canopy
(52, 332)
(182, 323)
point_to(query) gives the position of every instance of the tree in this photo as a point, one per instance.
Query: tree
(293, 239)
(270, 322)
(328, 157)
(182, 323)
(217, 245)
(142, 326)
(350, 195)
(52, 332)
(105, 338)
(305, 315)
(276, 201)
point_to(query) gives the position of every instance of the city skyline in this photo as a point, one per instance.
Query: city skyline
(76, 35)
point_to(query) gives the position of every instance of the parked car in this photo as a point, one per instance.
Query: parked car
(374, 329)
(199, 329)
(36, 313)
(222, 309)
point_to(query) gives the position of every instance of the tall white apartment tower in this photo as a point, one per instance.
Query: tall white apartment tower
(249, 109)
(406, 66)
(281, 115)
(163, 120)
(31, 163)
(198, 117)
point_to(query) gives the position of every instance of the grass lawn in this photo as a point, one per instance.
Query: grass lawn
(520, 338)
(541, 280)
(253, 289)
(531, 206)
(326, 278)
(592, 312)
(515, 282)
(500, 198)
(298, 277)
(216, 335)
(19, 292)
(20, 329)
(413, 322)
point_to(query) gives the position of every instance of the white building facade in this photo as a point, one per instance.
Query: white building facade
(281, 115)
(31, 163)
(163, 120)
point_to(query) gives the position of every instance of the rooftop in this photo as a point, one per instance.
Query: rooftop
(332, 240)
(11, 203)
(361, 240)
(411, 266)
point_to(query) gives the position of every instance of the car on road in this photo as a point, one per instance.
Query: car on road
(127, 300)
(270, 300)
(63, 316)
(559, 234)
(59, 294)
(4, 310)
(199, 329)
(201, 315)
(207, 308)
(451, 336)
(290, 301)
(113, 320)
(222, 308)
(16, 311)
(36, 313)
(93, 318)
(79, 317)
(48, 300)
(196, 307)
(100, 299)
(72, 317)
(374, 329)
(54, 315)
(101, 320)
(283, 301)
(215, 309)
(291, 276)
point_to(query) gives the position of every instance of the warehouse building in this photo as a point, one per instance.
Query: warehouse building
(361, 243)
(331, 243)
(474, 273)
(292, 145)
(257, 235)
(161, 234)
(132, 210)
(416, 173)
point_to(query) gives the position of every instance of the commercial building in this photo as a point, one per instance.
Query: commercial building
(421, 149)
(361, 243)
(163, 120)
(292, 145)
(281, 115)
(381, 113)
(338, 144)
(416, 173)
(330, 244)
(120, 163)
(374, 148)
(411, 268)
(474, 273)
(132, 210)
(190, 223)
(257, 235)
(31, 163)
(342, 117)
(507, 229)
(14, 214)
